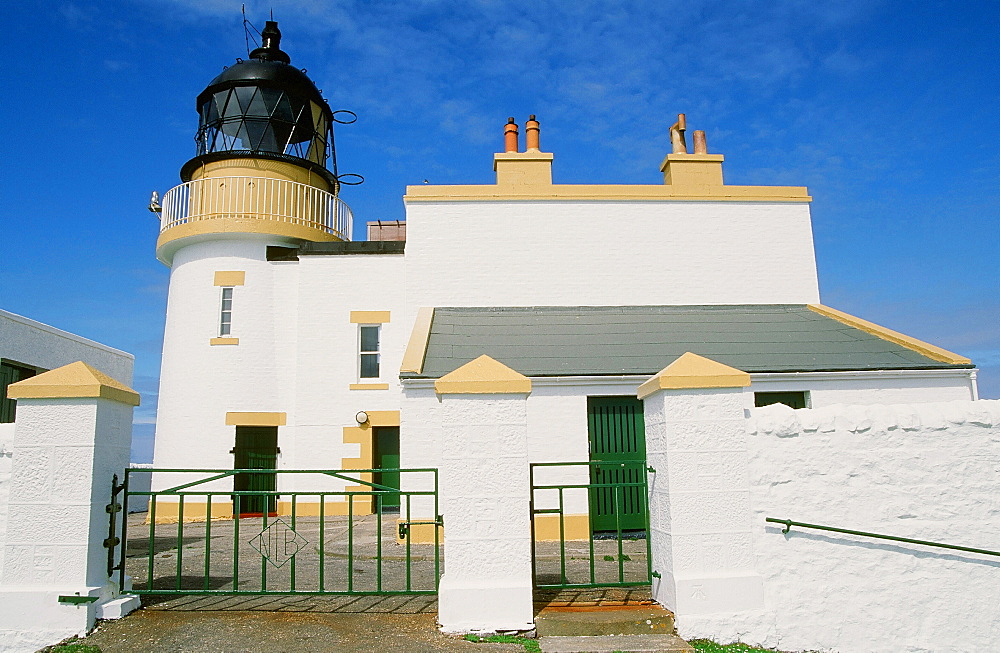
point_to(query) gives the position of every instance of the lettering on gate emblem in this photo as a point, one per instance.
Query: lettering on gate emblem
(278, 543)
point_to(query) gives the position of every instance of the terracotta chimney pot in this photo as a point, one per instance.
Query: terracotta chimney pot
(531, 130)
(510, 135)
(700, 145)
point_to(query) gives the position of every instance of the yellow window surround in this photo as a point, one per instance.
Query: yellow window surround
(230, 278)
(369, 317)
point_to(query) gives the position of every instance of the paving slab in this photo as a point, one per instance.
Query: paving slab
(613, 643)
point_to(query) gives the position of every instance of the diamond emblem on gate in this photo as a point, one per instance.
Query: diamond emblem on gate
(278, 543)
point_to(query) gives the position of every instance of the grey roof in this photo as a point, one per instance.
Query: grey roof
(614, 340)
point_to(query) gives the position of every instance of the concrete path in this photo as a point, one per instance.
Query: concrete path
(249, 631)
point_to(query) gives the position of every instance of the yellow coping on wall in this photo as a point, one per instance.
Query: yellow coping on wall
(919, 346)
(483, 375)
(256, 419)
(362, 434)
(369, 386)
(224, 341)
(694, 371)
(624, 192)
(76, 380)
(369, 317)
(230, 278)
(416, 348)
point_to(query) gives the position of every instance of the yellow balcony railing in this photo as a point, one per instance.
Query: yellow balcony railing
(256, 198)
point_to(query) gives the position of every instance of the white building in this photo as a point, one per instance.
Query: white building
(283, 335)
(28, 348)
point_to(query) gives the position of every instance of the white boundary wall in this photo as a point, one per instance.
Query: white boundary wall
(33, 343)
(925, 471)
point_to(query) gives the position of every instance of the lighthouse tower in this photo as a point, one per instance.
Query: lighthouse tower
(264, 176)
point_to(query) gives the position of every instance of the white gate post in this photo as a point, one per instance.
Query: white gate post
(73, 434)
(485, 493)
(700, 518)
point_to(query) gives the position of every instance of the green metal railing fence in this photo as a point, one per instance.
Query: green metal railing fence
(614, 558)
(788, 523)
(200, 547)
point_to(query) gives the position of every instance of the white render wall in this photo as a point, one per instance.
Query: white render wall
(297, 354)
(927, 471)
(570, 253)
(26, 341)
(200, 382)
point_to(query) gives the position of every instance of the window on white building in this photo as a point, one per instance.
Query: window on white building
(226, 312)
(368, 351)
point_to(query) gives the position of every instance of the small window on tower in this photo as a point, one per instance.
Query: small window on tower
(226, 312)
(369, 351)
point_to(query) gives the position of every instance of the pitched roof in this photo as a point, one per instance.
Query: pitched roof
(616, 340)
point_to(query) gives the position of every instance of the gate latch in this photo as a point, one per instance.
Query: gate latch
(404, 526)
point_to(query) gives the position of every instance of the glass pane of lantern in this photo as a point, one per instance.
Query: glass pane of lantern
(243, 94)
(283, 109)
(268, 142)
(270, 97)
(221, 102)
(257, 107)
(255, 130)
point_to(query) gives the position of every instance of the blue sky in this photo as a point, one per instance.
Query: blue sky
(887, 111)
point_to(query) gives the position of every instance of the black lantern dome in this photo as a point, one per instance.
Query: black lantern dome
(265, 108)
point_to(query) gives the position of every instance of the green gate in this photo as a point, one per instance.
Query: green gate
(616, 430)
(567, 551)
(329, 539)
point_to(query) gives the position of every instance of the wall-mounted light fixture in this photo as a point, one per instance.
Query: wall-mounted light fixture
(362, 417)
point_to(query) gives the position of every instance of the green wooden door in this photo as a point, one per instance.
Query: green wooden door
(256, 448)
(387, 457)
(618, 455)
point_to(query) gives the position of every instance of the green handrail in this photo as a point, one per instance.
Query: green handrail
(788, 523)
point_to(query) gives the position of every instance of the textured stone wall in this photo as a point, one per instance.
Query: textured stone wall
(924, 471)
(484, 495)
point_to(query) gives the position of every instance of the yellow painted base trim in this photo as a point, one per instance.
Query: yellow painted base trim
(311, 508)
(576, 527)
(369, 317)
(369, 386)
(168, 512)
(224, 341)
(420, 533)
(930, 351)
(256, 419)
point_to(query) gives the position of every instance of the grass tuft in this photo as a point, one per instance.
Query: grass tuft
(530, 645)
